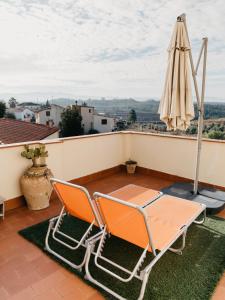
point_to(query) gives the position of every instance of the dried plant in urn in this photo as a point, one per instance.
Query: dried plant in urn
(35, 182)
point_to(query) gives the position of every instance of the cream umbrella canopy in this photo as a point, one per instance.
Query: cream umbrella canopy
(176, 106)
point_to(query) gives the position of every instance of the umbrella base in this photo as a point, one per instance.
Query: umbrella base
(213, 199)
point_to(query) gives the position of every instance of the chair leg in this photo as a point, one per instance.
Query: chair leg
(203, 219)
(130, 275)
(48, 248)
(88, 276)
(179, 250)
(144, 282)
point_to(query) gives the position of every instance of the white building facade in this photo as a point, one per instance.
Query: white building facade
(23, 114)
(87, 114)
(49, 116)
(103, 123)
(91, 120)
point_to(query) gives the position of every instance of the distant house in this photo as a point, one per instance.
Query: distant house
(21, 113)
(87, 114)
(103, 123)
(91, 120)
(15, 131)
(50, 116)
(29, 105)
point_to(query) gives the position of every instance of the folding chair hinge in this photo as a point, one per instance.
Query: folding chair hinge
(142, 274)
(51, 224)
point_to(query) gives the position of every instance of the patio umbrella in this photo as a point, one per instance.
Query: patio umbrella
(176, 106)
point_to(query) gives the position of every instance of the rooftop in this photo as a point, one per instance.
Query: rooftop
(16, 131)
(48, 108)
(28, 104)
(16, 109)
(25, 271)
(81, 105)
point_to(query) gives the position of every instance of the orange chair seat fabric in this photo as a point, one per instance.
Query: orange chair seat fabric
(135, 194)
(75, 201)
(165, 218)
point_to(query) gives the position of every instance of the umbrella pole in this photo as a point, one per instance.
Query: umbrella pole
(201, 112)
(200, 102)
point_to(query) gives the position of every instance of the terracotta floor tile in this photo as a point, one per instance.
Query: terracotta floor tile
(40, 286)
(48, 295)
(33, 254)
(27, 293)
(16, 286)
(96, 296)
(8, 276)
(27, 273)
(222, 281)
(45, 269)
(76, 294)
(219, 294)
(70, 286)
(56, 278)
(4, 295)
(222, 214)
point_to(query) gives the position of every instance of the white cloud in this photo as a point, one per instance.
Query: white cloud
(102, 47)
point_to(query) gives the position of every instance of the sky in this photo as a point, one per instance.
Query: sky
(102, 48)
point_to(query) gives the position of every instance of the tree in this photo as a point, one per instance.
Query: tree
(193, 130)
(71, 123)
(218, 135)
(120, 125)
(10, 115)
(47, 104)
(12, 102)
(132, 117)
(2, 109)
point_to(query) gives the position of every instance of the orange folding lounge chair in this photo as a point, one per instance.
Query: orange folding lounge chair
(154, 228)
(77, 202)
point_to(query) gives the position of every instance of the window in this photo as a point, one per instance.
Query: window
(90, 110)
(48, 113)
(104, 121)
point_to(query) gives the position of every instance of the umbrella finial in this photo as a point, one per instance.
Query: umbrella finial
(181, 18)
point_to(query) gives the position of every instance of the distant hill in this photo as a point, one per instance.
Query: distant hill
(62, 101)
(28, 104)
(146, 110)
(113, 105)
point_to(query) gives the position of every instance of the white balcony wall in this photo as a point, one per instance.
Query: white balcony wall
(79, 156)
(68, 159)
(177, 155)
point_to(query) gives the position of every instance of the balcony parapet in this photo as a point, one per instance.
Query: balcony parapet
(74, 157)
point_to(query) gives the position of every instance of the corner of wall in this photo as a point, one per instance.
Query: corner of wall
(126, 146)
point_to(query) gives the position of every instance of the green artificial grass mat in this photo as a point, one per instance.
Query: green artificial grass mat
(192, 275)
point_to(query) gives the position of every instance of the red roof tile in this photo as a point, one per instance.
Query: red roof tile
(15, 131)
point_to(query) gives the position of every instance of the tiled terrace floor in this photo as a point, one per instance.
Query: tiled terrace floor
(28, 274)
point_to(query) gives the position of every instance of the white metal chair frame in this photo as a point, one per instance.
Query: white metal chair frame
(56, 222)
(137, 272)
